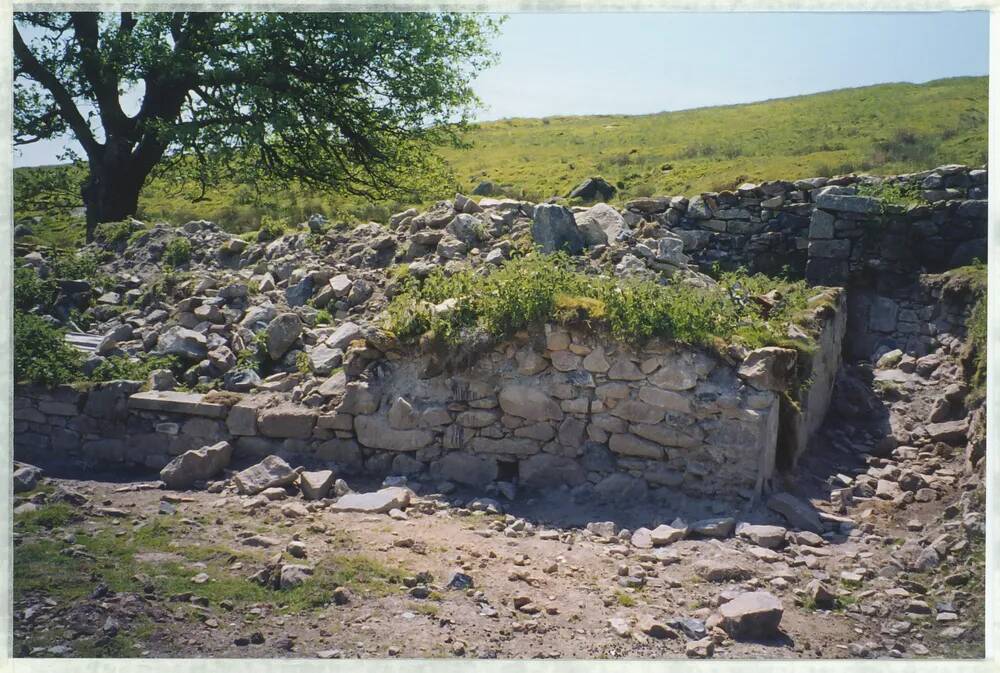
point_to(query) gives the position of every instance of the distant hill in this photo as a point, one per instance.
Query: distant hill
(882, 129)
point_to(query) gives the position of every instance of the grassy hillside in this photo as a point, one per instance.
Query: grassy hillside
(883, 129)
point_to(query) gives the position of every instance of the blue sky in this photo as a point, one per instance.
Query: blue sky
(637, 63)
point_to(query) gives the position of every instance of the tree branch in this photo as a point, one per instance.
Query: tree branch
(103, 81)
(31, 67)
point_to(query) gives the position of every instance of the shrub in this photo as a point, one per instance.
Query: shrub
(323, 317)
(177, 253)
(41, 355)
(270, 229)
(78, 266)
(30, 290)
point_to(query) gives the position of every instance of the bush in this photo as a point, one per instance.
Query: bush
(177, 252)
(537, 288)
(31, 291)
(271, 228)
(41, 355)
(78, 266)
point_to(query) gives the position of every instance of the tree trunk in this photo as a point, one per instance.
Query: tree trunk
(111, 193)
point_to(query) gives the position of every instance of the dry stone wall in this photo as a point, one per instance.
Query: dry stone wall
(823, 229)
(550, 408)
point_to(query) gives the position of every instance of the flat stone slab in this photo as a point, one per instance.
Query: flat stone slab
(86, 343)
(175, 402)
(376, 502)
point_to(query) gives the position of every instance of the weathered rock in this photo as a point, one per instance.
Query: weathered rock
(820, 594)
(293, 575)
(630, 445)
(799, 514)
(530, 403)
(601, 224)
(720, 527)
(25, 478)
(664, 534)
(750, 615)
(593, 188)
(769, 368)
(316, 485)
(286, 421)
(375, 432)
(770, 537)
(196, 465)
(344, 335)
(272, 471)
(281, 334)
(553, 228)
(377, 502)
(184, 343)
(720, 570)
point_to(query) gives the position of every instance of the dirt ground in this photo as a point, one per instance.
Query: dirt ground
(114, 565)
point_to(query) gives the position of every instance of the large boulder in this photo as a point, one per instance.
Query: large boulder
(601, 224)
(184, 343)
(553, 228)
(755, 614)
(282, 333)
(272, 471)
(196, 465)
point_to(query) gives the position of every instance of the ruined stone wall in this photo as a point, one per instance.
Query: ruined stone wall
(820, 228)
(559, 407)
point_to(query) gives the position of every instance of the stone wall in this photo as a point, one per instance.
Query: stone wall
(822, 229)
(556, 407)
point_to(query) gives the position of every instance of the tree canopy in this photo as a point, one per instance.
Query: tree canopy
(352, 102)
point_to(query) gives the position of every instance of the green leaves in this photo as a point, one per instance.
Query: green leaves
(41, 355)
(353, 103)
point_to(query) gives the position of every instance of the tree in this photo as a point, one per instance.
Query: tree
(349, 102)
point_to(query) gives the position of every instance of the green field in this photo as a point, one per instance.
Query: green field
(883, 129)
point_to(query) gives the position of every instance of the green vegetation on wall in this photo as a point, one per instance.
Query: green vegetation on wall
(536, 288)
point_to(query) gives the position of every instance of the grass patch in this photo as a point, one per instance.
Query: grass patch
(625, 600)
(40, 565)
(899, 194)
(46, 517)
(536, 288)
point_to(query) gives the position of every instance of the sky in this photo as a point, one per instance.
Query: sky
(640, 63)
